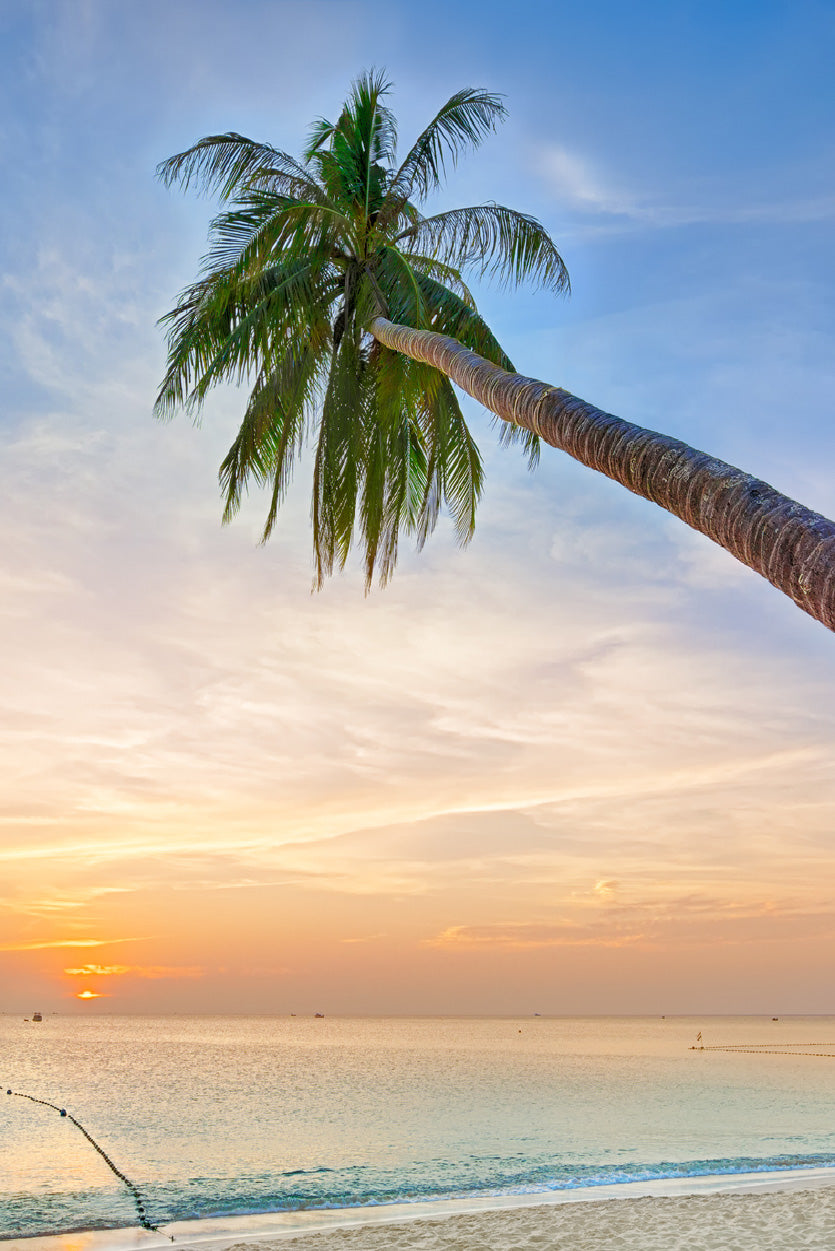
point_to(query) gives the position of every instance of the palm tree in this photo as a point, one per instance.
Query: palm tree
(347, 311)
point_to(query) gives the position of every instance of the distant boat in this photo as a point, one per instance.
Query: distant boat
(36, 1016)
(320, 1016)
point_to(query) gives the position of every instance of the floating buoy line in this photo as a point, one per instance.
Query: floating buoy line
(768, 1049)
(132, 1189)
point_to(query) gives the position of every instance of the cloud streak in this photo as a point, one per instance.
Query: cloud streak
(576, 180)
(523, 936)
(152, 972)
(58, 943)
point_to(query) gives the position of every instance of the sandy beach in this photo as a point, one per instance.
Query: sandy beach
(780, 1221)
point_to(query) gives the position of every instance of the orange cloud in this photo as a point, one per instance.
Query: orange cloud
(522, 937)
(98, 970)
(606, 887)
(152, 971)
(67, 942)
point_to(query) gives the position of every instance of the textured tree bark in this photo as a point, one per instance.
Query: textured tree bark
(791, 546)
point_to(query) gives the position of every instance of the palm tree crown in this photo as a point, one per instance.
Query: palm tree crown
(304, 256)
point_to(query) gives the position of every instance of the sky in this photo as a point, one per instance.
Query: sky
(583, 765)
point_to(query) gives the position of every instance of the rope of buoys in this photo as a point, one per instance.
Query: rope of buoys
(756, 1050)
(763, 1046)
(132, 1189)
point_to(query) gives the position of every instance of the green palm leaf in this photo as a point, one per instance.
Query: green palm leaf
(303, 257)
(499, 242)
(227, 163)
(463, 122)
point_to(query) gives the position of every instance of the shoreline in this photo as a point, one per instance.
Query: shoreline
(807, 1190)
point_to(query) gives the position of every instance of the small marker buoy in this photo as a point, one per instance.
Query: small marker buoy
(8, 1092)
(63, 1111)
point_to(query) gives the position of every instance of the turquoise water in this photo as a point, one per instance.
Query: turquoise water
(223, 1115)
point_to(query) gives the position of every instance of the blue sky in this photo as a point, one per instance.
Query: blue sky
(587, 752)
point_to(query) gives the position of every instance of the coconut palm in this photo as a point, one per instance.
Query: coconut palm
(347, 311)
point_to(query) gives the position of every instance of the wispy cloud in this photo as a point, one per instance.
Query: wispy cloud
(579, 182)
(57, 906)
(606, 888)
(575, 178)
(56, 943)
(522, 936)
(152, 972)
(659, 923)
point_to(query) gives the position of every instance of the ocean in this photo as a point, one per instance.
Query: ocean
(214, 1116)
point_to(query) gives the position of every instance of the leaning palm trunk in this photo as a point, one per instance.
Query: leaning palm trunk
(791, 546)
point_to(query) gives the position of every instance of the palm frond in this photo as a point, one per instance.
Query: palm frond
(319, 133)
(367, 121)
(463, 122)
(455, 467)
(511, 435)
(286, 176)
(264, 225)
(224, 164)
(395, 463)
(401, 288)
(339, 456)
(351, 155)
(197, 328)
(228, 329)
(445, 275)
(272, 432)
(498, 242)
(454, 317)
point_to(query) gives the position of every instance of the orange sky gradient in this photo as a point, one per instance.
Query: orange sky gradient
(502, 785)
(448, 881)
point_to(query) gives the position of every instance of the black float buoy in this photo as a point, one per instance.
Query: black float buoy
(132, 1189)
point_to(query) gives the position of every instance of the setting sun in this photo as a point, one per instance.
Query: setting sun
(90, 994)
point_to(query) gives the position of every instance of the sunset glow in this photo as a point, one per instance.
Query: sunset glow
(583, 765)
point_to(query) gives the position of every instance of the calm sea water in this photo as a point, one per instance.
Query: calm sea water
(213, 1116)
